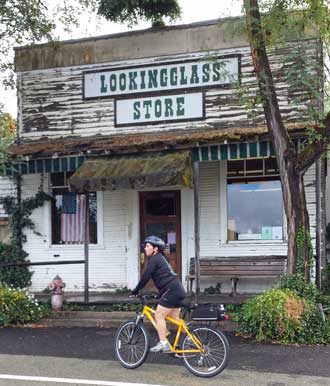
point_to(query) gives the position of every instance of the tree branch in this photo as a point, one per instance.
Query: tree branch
(312, 152)
(281, 139)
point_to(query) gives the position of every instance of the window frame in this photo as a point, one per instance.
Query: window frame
(99, 222)
(224, 204)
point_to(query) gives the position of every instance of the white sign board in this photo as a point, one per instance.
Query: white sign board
(158, 78)
(159, 109)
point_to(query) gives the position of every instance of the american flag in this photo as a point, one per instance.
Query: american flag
(73, 218)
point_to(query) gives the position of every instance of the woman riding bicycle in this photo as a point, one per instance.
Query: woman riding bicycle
(171, 291)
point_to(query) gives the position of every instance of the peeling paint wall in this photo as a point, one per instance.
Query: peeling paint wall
(52, 102)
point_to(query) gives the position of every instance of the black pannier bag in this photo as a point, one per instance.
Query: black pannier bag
(208, 312)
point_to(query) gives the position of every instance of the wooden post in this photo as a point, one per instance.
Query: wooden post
(320, 225)
(197, 228)
(86, 251)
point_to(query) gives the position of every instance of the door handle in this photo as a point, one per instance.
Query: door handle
(142, 258)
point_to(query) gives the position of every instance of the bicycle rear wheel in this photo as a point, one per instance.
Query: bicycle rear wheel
(215, 357)
(131, 344)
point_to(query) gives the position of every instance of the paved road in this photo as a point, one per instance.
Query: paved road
(87, 353)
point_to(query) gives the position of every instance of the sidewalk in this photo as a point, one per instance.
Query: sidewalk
(106, 298)
(115, 318)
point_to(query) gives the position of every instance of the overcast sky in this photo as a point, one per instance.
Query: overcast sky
(192, 11)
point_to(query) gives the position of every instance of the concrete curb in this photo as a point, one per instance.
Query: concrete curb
(70, 319)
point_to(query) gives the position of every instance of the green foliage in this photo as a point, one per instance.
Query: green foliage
(279, 314)
(213, 290)
(19, 212)
(275, 314)
(16, 306)
(31, 21)
(314, 329)
(18, 277)
(282, 315)
(123, 290)
(326, 279)
(300, 286)
(132, 11)
(303, 239)
(7, 136)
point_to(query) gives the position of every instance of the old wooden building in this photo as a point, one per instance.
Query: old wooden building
(157, 126)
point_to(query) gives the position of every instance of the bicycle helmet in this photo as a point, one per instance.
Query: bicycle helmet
(155, 242)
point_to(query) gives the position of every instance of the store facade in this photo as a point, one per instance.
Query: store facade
(150, 131)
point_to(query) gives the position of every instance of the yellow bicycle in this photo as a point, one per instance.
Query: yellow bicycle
(204, 349)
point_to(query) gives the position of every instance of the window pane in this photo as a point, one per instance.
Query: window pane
(235, 168)
(57, 179)
(68, 215)
(160, 206)
(255, 211)
(271, 166)
(254, 166)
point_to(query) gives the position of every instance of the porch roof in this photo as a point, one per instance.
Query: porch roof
(151, 170)
(63, 155)
(137, 143)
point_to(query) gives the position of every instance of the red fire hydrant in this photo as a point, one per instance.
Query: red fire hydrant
(56, 287)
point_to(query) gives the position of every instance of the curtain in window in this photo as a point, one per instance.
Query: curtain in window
(73, 218)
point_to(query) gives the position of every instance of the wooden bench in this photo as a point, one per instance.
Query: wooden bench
(235, 268)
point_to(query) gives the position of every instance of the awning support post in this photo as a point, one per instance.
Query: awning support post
(86, 250)
(197, 228)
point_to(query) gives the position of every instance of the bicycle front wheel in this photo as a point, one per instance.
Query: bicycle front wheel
(131, 344)
(215, 355)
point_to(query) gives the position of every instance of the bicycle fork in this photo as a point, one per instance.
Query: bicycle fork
(138, 320)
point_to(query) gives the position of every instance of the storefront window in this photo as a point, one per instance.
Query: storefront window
(68, 213)
(254, 196)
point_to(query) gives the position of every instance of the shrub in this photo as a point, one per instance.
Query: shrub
(300, 286)
(16, 306)
(18, 277)
(282, 315)
(314, 329)
(274, 314)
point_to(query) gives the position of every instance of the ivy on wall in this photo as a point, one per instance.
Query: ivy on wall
(19, 215)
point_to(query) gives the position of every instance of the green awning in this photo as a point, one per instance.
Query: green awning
(237, 150)
(148, 171)
(232, 151)
(47, 165)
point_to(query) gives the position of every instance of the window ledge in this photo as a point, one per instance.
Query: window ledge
(79, 246)
(259, 242)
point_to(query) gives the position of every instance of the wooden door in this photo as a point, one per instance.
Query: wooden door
(161, 216)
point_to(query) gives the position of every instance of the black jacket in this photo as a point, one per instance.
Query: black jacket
(160, 271)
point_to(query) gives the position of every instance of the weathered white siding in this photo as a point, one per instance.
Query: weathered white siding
(108, 261)
(52, 102)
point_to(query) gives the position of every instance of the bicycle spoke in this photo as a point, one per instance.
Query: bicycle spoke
(214, 356)
(131, 345)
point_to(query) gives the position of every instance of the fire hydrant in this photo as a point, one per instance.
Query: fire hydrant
(56, 287)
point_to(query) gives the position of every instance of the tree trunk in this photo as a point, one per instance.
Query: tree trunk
(287, 157)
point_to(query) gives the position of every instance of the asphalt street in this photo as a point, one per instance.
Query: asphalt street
(97, 344)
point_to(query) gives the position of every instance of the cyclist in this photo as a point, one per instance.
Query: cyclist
(171, 291)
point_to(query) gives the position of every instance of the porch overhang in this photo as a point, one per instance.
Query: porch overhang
(139, 172)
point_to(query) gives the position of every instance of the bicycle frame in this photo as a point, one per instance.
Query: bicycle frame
(148, 312)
